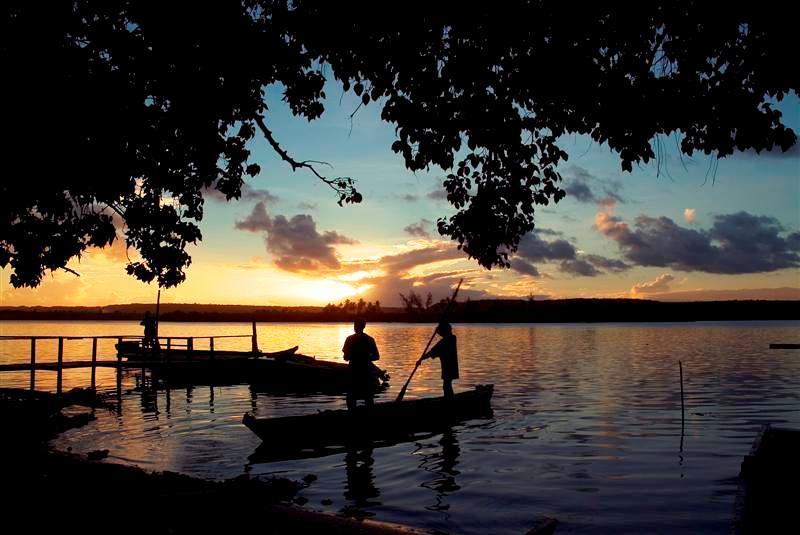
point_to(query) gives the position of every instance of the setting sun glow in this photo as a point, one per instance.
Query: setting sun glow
(320, 292)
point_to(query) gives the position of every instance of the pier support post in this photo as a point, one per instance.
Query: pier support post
(94, 363)
(33, 364)
(60, 367)
(119, 375)
(255, 338)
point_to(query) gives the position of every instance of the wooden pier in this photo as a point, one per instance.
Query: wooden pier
(784, 346)
(92, 362)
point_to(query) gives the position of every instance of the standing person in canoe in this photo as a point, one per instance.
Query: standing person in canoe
(447, 353)
(360, 351)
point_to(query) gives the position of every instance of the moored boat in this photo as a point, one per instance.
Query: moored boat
(132, 350)
(389, 422)
(279, 371)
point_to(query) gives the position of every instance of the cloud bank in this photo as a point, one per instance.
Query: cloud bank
(535, 250)
(735, 244)
(295, 243)
(419, 229)
(659, 285)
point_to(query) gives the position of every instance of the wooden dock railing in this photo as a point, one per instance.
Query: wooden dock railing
(171, 342)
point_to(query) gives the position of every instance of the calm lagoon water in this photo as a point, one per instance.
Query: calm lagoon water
(586, 427)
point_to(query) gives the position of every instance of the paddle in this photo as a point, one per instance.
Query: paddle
(419, 360)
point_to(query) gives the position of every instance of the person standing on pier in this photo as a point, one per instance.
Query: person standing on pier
(447, 353)
(360, 351)
(149, 324)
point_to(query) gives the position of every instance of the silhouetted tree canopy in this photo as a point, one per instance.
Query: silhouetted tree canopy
(125, 112)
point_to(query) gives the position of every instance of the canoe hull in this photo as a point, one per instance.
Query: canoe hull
(390, 422)
(277, 372)
(134, 352)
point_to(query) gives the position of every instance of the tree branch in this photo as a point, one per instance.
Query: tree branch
(68, 270)
(353, 115)
(341, 185)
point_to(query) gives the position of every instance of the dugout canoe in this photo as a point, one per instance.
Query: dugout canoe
(390, 422)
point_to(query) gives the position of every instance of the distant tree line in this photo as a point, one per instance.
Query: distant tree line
(415, 307)
(418, 310)
(353, 308)
(412, 303)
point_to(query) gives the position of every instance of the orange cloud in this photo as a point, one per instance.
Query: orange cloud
(659, 285)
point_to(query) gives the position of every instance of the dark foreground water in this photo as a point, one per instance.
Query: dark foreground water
(586, 427)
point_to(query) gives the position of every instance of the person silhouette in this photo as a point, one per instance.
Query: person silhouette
(360, 486)
(149, 324)
(447, 353)
(360, 351)
(442, 464)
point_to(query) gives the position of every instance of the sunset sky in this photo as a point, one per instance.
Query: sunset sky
(689, 228)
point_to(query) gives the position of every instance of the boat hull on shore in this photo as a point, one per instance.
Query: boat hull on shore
(390, 422)
(767, 497)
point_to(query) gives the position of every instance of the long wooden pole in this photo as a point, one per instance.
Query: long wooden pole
(419, 360)
(157, 347)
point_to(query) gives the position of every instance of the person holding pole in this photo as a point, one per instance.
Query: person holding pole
(447, 352)
(452, 356)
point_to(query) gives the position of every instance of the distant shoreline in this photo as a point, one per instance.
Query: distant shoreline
(482, 311)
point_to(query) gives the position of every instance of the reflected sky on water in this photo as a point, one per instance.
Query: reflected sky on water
(586, 427)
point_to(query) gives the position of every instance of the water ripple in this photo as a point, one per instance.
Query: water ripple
(586, 426)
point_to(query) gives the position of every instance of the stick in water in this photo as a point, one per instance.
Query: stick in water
(419, 360)
(683, 417)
